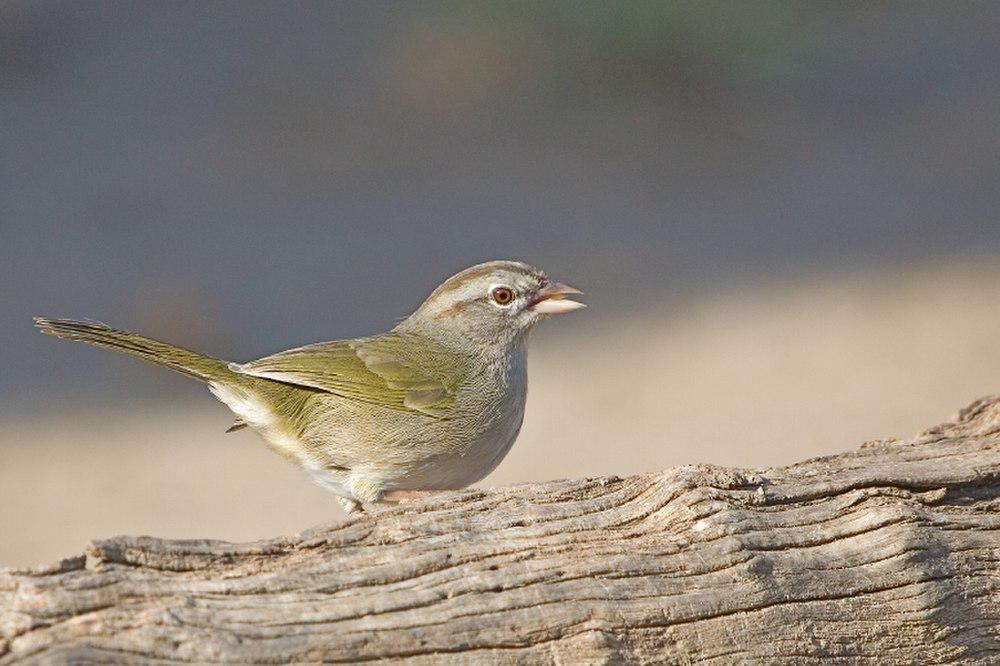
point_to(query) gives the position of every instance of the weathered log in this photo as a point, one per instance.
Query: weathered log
(887, 553)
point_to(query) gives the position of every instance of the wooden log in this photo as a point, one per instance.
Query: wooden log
(886, 553)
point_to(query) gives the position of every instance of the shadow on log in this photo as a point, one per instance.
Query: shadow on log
(886, 553)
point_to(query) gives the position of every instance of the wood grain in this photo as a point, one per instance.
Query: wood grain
(888, 553)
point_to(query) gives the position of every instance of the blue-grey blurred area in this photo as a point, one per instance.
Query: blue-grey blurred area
(783, 215)
(246, 176)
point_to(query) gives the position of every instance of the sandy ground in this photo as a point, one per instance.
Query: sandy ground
(755, 375)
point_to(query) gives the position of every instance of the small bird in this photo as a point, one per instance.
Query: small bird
(434, 404)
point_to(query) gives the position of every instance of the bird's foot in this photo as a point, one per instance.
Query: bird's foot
(402, 496)
(349, 505)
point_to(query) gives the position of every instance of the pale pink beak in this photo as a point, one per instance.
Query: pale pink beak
(551, 299)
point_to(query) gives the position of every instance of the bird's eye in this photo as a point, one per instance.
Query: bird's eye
(502, 295)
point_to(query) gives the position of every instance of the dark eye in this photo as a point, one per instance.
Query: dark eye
(502, 295)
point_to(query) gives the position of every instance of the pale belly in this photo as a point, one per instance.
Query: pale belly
(439, 472)
(426, 459)
(449, 471)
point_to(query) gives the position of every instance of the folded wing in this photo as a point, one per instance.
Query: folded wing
(394, 370)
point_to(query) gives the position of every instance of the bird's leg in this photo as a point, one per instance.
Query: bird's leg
(401, 496)
(349, 505)
(365, 491)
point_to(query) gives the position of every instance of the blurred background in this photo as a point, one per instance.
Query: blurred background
(783, 215)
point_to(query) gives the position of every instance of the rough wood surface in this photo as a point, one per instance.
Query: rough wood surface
(886, 553)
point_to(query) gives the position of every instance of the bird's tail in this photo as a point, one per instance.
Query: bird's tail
(195, 365)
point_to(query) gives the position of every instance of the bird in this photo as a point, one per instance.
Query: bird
(432, 405)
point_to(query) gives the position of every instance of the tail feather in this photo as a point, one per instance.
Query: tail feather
(181, 360)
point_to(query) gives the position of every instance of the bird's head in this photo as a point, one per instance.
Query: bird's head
(492, 304)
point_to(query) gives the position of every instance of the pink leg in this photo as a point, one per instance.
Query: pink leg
(408, 495)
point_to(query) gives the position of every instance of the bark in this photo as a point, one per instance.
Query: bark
(887, 553)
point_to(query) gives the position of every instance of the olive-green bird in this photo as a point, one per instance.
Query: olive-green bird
(434, 404)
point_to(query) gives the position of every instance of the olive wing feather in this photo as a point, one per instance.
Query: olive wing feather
(394, 370)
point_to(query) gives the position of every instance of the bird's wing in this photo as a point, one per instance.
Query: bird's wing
(394, 370)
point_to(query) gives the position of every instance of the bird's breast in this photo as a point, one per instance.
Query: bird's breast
(486, 421)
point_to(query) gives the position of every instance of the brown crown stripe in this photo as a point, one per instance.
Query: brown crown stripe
(459, 279)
